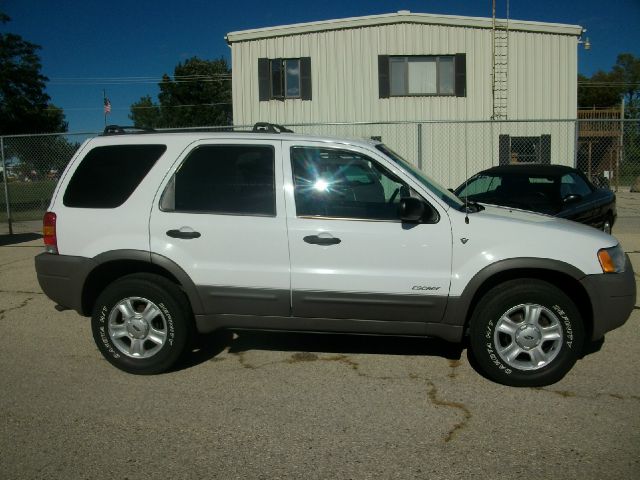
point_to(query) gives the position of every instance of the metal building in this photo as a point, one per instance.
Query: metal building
(412, 67)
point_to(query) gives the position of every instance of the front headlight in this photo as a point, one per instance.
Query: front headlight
(612, 260)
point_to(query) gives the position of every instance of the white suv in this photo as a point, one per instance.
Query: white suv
(158, 234)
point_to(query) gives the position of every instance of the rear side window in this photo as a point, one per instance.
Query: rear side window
(224, 179)
(107, 176)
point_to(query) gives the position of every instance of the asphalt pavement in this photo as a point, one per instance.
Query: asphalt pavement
(282, 405)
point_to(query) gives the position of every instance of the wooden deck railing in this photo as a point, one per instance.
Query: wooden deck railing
(599, 122)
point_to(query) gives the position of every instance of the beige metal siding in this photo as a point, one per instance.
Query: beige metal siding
(542, 76)
(344, 69)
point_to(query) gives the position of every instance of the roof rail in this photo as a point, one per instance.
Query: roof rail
(270, 128)
(260, 127)
(121, 130)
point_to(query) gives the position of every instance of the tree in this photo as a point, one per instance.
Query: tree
(627, 71)
(609, 89)
(24, 105)
(599, 91)
(199, 94)
(145, 114)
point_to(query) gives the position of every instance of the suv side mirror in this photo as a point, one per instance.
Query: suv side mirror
(412, 209)
(571, 198)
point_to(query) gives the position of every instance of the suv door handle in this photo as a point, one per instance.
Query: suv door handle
(185, 233)
(317, 240)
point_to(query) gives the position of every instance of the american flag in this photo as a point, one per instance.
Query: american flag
(107, 106)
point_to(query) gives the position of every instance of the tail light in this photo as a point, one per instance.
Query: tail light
(49, 232)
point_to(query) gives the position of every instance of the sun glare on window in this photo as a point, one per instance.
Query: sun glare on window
(321, 185)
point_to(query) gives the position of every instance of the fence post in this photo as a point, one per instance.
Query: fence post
(576, 143)
(419, 146)
(6, 186)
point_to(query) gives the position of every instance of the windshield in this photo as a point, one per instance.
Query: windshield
(441, 192)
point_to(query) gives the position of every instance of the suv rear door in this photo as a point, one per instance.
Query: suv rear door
(220, 216)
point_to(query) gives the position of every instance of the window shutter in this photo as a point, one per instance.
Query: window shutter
(383, 76)
(545, 149)
(305, 78)
(504, 150)
(264, 88)
(461, 74)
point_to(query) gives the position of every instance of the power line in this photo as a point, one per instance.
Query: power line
(81, 82)
(144, 108)
(609, 84)
(145, 77)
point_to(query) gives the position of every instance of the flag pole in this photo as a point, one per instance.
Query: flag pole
(104, 103)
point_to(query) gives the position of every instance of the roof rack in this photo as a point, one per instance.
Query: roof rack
(261, 127)
(270, 128)
(121, 130)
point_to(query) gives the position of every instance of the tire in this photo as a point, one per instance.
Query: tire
(526, 333)
(142, 323)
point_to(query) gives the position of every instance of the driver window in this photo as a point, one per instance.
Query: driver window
(343, 184)
(480, 184)
(572, 184)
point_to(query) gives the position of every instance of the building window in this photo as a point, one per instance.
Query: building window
(524, 149)
(284, 78)
(422, 75)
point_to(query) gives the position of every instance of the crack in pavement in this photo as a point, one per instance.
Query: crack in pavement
(11, 309)
(432, 393)
(466, 413)
(570, 394)
(22, 292)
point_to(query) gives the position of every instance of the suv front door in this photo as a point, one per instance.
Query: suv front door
(351, 255)
(220, 216)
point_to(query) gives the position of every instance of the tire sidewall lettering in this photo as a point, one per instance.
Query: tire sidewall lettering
(566, 325)
(104, 337)
(171, 331)
(496, 360)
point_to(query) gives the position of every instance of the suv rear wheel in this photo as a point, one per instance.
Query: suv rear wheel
(526, 333)
(142, 323)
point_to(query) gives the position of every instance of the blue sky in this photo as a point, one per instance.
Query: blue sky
(91, 39)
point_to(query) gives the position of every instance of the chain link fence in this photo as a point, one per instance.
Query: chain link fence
(608, 151)
(30, 169)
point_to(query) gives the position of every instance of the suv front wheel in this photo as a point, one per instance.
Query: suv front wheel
(526, 333)
(141, 323)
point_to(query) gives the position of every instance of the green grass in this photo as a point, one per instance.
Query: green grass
(28, 200)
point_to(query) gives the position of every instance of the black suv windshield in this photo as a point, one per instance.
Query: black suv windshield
(441, 192)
